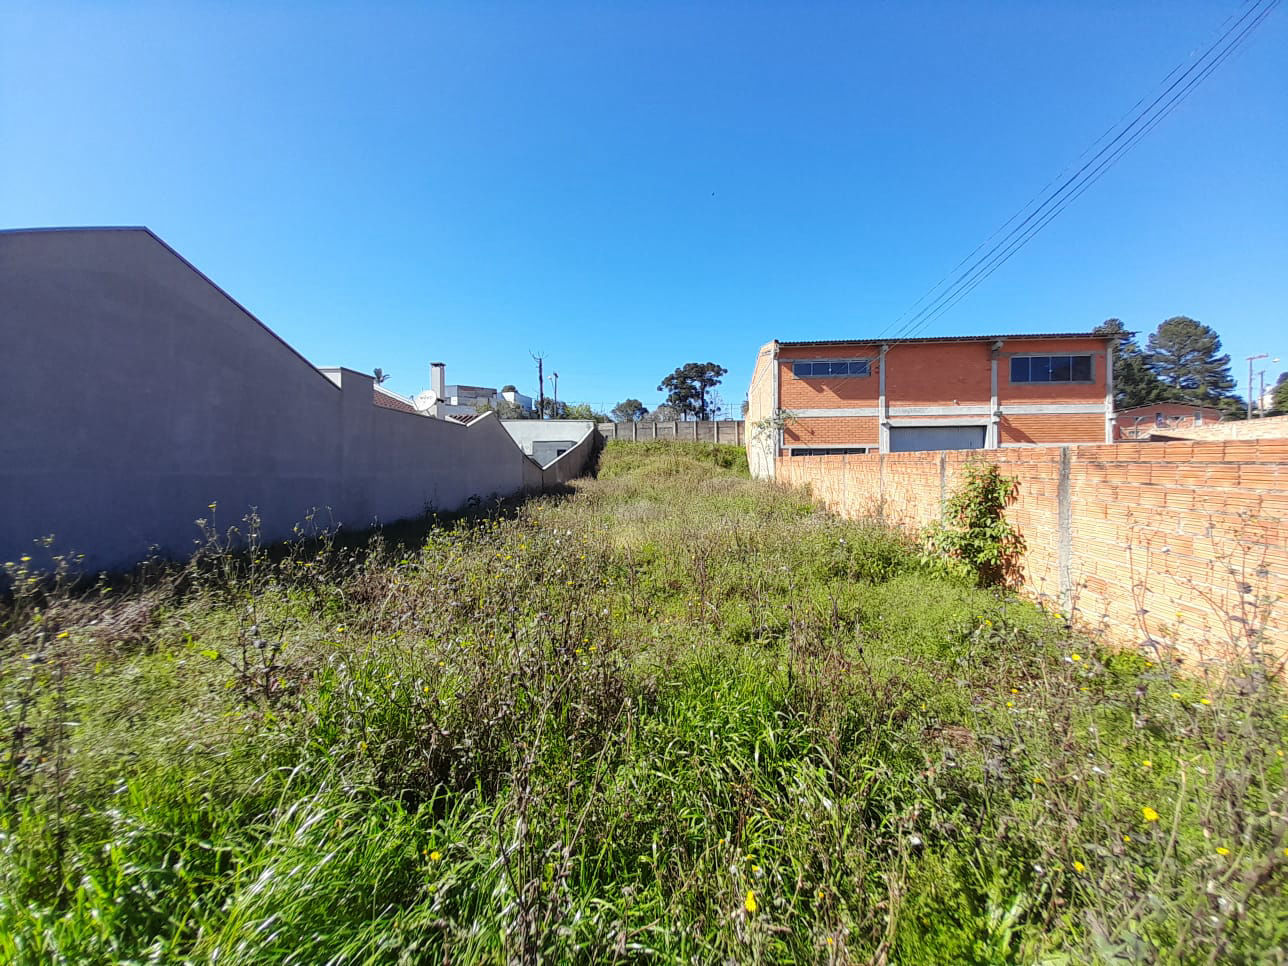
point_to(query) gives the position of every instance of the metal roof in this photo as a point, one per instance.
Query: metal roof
(952, 338)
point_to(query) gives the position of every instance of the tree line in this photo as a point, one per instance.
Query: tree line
(1181, 362)
(688, 396)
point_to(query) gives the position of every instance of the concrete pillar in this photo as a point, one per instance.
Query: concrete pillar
(1064, 530)
(883, 411)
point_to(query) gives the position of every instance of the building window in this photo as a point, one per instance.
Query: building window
(1158, 419)
(832, 368)
(829, 450)
(1051, 369)
(1198, 417)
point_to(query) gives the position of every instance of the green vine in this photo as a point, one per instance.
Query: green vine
(975, 540)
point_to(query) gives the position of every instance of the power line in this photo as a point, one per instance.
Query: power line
(999, 260)
(1087, 174)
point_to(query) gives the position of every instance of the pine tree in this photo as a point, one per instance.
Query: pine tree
(1134, 383)
(1185, 355)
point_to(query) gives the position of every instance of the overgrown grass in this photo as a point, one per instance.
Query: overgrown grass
(679, 716)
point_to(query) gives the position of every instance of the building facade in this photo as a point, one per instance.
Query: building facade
(902, 395)
(1141, 422)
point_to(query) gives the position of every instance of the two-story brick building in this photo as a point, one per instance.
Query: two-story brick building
(956, 392)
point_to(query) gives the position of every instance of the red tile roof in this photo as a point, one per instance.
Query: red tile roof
(387, 400)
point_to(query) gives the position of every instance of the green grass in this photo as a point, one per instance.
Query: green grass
(677, 716)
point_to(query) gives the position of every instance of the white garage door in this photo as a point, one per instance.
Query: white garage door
(909, 439)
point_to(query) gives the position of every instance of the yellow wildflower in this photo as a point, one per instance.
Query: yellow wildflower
(1146, 764)
(750, 902)
(1075, 657)
(64, 635)
(1204, 701)
(435, 856)
(1126, 838)
(1079, 867)
(1149, 813)
(1010, 704)
(1222, 850)
(1176, 695)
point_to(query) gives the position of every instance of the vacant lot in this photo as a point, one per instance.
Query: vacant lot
(677, 716)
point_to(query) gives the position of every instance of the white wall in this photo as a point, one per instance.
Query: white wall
(528, 432)
(134, 392)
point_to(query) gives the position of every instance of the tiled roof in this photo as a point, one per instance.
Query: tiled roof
(388, 400)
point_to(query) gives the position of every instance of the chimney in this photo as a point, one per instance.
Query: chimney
(438, 379)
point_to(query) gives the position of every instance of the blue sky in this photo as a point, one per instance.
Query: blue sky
(629, 187)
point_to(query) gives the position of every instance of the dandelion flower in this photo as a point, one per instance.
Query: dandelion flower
(1222, 850)
(1204, 701)
(1176, 695)
(750, 902)
(1126, 838)
(1146, 764)
(1010, 704)
(1075, 657)
(1079, 867)
(1037, 780)
(64, 635)
(1149, 813)
(435, 856)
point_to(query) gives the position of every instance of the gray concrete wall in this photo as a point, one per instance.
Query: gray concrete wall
(528, 433)
(134, 392)
(728, 431)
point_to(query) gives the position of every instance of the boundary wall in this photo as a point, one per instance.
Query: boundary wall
(729, 431)
(1180, 544)
(135, 393)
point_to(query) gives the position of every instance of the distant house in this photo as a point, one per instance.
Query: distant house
(900, 395)
(387, 399)
(1142, 421)
(442, 401)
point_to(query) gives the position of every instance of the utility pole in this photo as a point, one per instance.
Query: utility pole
(1263, 355)
(541, 384)
(1261, 390)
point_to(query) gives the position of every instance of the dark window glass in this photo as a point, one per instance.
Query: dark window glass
(859, 367)
(1019, 370)
(1061, 369)
(1040, 369)
(1082, 368)
(838, 368)
(802, 370)
(1158, 419)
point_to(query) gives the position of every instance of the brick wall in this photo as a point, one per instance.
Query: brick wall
(1269, 427)
(1184, 543)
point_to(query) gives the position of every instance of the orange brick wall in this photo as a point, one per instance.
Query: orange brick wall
(827, 393)
(1181, 543)
(833, 431)
(1042, 427)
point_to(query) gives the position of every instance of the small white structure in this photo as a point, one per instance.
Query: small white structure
(545, 440)
(443, 401)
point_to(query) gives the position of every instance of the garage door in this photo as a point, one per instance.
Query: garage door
(908, 439)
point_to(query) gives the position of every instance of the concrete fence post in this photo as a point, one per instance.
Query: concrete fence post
(635, 431)
(943, 484)
(1064, 530)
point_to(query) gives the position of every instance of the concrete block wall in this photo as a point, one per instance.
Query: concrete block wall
(134, 393)
(1184, 544)
(730, 431)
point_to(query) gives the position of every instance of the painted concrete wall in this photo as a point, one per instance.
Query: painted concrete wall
(134, 392)
(529, 432)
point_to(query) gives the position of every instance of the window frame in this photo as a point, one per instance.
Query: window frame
(860, 449)
(1048, 356)
(866, 374)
